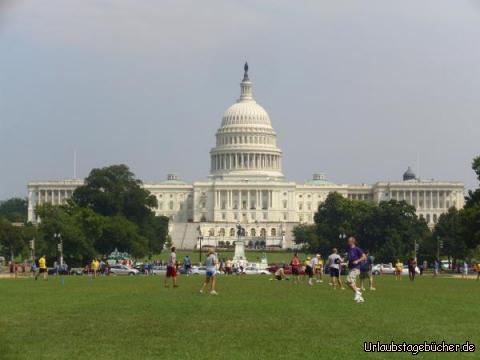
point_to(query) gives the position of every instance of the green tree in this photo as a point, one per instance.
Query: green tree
(78, 248)
(450, 230)
(114, 190)
(14, 210)
(11, 239)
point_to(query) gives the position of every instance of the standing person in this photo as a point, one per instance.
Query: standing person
(366, 271)
(435, 268)
(187, 265)
(309, 266)
(319, 268)
(295, 264)
(398, 270)
(228, 267)
(171, 268)
(94, 267)
(211, 267)
(333, 263)
(465, 269)
(355, 257)
(412, 267)
(42, 268)
(477, 267)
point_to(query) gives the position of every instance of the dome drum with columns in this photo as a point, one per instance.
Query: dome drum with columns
(246, 185)
(246, 145)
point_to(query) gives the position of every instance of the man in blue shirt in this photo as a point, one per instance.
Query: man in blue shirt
(355, 258)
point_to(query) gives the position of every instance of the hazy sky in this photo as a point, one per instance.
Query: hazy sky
(355, 89)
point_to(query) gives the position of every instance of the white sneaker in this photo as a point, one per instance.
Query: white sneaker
(360, 300)
(201, 291)
(372, 289)
(358, 295)
(213, 292)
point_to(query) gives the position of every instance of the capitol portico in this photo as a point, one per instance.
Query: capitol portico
(246, 185)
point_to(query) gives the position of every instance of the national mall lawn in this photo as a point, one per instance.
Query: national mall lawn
(251, 318)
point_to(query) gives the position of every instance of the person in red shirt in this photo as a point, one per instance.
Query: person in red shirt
(295, 264)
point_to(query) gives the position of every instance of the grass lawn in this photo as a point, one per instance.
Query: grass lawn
(252, 318)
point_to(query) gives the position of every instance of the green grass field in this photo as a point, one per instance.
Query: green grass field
(252, 318)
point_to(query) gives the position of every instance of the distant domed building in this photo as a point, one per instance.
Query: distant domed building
(409, 175)
(246, 186)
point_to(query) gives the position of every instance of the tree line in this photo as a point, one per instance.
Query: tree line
(111, 210)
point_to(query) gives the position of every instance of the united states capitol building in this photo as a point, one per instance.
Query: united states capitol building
(247, 186)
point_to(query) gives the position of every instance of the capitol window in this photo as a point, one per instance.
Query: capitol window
(170, 205)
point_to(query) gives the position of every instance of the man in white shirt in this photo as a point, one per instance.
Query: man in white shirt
(333, 263)
(172, 268)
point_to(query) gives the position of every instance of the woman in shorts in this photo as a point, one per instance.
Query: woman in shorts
(211, 272)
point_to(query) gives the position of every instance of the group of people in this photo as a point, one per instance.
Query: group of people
(211, 265)
(359, 262)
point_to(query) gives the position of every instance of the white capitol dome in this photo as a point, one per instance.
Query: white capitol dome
(246, 141)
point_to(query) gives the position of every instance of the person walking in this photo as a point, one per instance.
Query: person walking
(366, 272)
(171, 269)
(42, 268)
(398, 270)
(355, 257)
(210, 278)
(309, 266)
(436, 267)
(412, 268)
(94, 267)
(187, 265)
(333, 263)
(295, 264)
(319, 268)
(465, 269)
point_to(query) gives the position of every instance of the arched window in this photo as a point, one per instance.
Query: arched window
(232, 232)
(221, 232)
(273, 232)
(428, 218)
(211, 232)
(263, 233)
(434, 218)
(253, 232)
(170, 205)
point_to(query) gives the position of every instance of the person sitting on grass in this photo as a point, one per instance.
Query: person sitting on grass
(211, 267)
(280, 273)
(398, 270)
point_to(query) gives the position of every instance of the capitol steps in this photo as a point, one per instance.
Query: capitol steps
(184, 235)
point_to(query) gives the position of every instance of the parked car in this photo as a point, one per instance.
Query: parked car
(63, 271)
(252, 270)
(158, 270)
(119, 269)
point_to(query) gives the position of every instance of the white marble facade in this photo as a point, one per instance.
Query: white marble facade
(247, 186)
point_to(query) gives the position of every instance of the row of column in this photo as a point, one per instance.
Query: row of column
(427, 198)
(225, 199)
(246, 161)
(56, 197)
